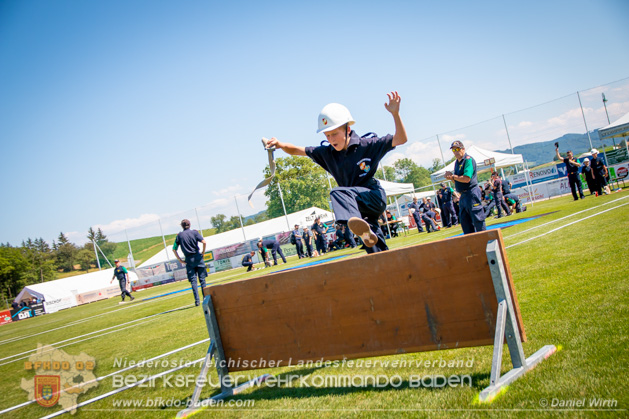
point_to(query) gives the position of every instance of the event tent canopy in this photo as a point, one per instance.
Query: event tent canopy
(68, 288)
(265, 228)
(618, 128)
(395, 188)
(480, 155)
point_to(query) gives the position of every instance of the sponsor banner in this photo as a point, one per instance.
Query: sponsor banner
(60, 303)
(5, 317)
(545, 174)
(222, 265)
(619, 171)
(616, 156)
(38, 309)
(21, 313)
(102, 294)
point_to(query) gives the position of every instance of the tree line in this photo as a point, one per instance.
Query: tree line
(36, 261)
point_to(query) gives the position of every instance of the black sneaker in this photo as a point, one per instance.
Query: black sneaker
(132, 298)
(196, 303)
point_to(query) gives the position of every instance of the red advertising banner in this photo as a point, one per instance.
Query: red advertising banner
(5, 316)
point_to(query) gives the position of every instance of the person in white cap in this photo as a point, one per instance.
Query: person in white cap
(600, 173)
(359, 199)
(588, 173)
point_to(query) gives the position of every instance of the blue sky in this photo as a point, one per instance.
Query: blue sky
(115, 113)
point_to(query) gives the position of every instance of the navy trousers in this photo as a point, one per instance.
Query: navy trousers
(195, 267)
(471, 212)
(361, 202)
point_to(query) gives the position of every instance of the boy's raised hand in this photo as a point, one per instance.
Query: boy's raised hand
(394, 102)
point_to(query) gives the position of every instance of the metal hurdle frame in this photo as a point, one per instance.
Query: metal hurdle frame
(215, 350)
(506, 329)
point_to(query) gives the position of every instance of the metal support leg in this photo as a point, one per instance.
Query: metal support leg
(507, 327)
(215, 351)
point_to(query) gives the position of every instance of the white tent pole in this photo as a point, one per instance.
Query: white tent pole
(507, 131)
(163, 238)
(527, 177)
(130, 251)
(103, 253)
(443, 160)
(384, 176)
(283, 206)
(198, 221)
(96, 254)
(240, 217)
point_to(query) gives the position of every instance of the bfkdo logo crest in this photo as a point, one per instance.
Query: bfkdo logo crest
(364, 166)
(47, 389)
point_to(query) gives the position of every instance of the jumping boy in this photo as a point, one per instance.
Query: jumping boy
(359, 199)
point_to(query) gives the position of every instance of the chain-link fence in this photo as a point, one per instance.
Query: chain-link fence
(572, 121)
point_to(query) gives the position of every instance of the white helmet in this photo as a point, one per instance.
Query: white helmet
(334, 115)
(594, 151)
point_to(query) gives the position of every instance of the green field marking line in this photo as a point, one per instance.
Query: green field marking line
(116, 327)
(563, 218)
(566, 225)
(76, 322)
(139, 364)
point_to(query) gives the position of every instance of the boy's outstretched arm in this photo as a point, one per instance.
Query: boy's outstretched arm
(288, 148)
(393, 106)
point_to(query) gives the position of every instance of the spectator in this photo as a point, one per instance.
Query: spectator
(588, 173)
(195, 265)
(448, 216)
(308, 242)
(296, 239)
(392, 226)
(498, 197)
(414, 211)
(319, 229)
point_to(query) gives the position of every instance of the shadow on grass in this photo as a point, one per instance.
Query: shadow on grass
(299, 385)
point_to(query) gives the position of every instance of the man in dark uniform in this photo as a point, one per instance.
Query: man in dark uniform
(121, 273)
(572, 167)
(600, 173)
(319, 230)
(471, 214)
(498, 197)
(516, 201)
(359, 199)
(195, 266)
(274, 246)
(448, 216)
(247, 261)
(427, 210)
(416, 213)
(308, 241)
(295, 238)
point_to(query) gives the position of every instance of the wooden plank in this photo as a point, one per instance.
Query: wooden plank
(420, 298)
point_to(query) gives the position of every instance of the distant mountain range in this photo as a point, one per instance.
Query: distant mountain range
(544, 151)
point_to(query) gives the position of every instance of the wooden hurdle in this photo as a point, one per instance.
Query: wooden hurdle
(449, 294)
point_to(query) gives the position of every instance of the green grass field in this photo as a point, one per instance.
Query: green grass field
(572, 285)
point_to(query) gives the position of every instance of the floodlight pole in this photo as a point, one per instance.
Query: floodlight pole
(608, 121)
(585, 122)
(240, 217)
(507, 131)
(198, 221)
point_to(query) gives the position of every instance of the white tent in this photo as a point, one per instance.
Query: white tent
(304, 218)
(480, 155)
(74, 290)
(395, 188)
(619, 128)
